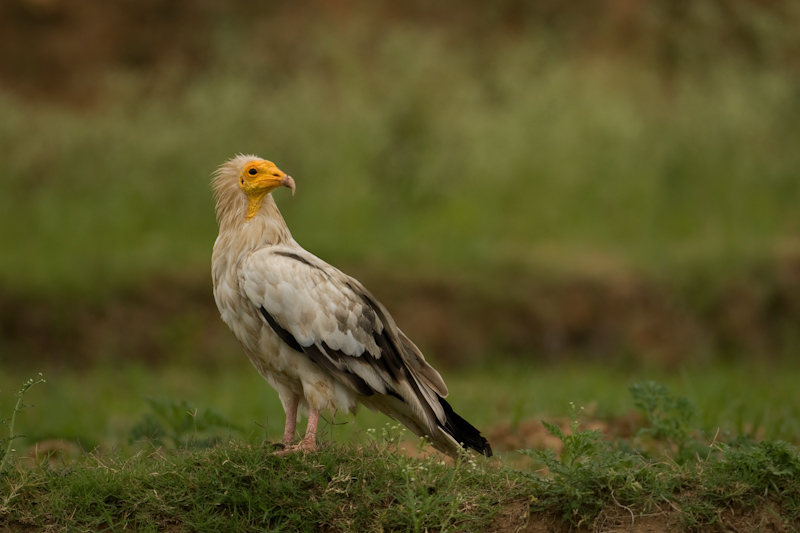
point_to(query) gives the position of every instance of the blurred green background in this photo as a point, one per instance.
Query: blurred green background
(546, 186)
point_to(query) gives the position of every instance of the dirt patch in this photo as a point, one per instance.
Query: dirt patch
(616, 321)
(532, 435)
(158, 321)
(61, 50)
(517, 517)
(752, 313)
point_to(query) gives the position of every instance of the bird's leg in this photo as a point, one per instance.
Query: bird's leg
(291, 421)
(309, 442)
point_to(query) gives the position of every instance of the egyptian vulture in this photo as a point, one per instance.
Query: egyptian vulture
(315, 334)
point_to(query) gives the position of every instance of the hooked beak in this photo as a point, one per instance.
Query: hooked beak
(287, 181)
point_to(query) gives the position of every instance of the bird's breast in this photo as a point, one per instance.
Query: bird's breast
(285, 368)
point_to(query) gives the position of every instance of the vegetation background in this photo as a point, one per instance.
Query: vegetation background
(555, 200)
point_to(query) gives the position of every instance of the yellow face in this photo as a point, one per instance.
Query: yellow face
(260, 177)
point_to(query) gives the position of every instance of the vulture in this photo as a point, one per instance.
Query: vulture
(315, 334)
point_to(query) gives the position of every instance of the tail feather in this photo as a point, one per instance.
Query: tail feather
(463, 432)
(453, 434)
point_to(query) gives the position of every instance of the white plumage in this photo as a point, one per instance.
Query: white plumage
(314, 333)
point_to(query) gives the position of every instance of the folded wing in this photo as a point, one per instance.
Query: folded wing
(337, 323)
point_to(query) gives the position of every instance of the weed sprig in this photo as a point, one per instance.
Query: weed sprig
(9, 441)
(177, 424)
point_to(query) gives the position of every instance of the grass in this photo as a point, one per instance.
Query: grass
(238, 485)
(435, 158)
(746, 401)
(592, 475)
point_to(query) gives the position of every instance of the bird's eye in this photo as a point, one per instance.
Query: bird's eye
(252, 172)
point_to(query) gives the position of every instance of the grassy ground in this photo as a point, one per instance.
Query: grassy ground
(130, 402)
(235, 487)
(670, 468)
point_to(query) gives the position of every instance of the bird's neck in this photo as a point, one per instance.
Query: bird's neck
(264, 228)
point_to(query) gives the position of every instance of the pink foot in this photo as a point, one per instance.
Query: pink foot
(304, 446)
(309, 442)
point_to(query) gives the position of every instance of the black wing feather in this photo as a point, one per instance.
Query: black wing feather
(318, 356)
(285, 336)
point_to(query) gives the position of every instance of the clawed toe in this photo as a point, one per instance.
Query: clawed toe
(286, 450)
(292, 448)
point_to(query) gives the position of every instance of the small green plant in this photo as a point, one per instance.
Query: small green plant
(594, 473)
(579, 446)
(589, 473)
(762, 468)
(389, 436)
(8, 441)
(176, 424)
(669, 419)
(428, 494)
